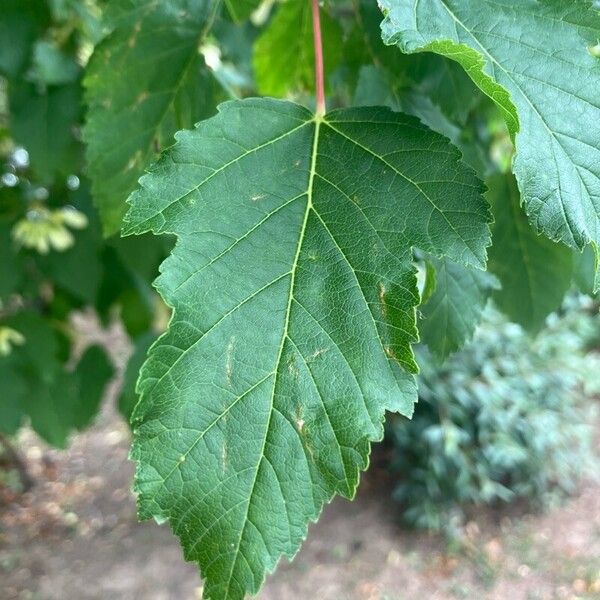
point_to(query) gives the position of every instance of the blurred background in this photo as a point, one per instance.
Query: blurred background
(490, 492)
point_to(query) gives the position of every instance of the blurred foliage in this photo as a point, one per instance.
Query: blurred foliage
(507, 417)
(53, 257)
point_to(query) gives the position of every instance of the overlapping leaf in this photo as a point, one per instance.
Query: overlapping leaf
(441, 80)
(145, 81)
(454, 308)
(294, 310)
(531, 57)
(535, 273)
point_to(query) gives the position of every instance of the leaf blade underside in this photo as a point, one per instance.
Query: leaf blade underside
(553, 88)
(294, 312)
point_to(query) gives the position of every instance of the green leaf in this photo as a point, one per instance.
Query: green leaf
(11, 264)
(534, 272)
(376, 86)
(443, 82)
(35, 383)
(22, 22)
(14, 389)
(145, 81)
(585, 270)
(51, 66)
(142, 255)
(294, 312)
(240, 10)
(44, 120)
(71, 401)
(429, 281)
(129, 397)
(77, 270)
(531, 58)
(126, 291)
(284, 55)
(455, 308)
(130, 264)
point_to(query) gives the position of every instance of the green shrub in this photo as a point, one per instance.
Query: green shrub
(505, 418)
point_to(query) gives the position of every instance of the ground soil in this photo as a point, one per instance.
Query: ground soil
(75, 536)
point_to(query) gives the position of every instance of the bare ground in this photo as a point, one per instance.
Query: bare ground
(75, 536)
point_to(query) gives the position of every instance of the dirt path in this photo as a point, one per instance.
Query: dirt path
(75, 536)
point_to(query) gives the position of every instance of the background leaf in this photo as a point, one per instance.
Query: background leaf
(129, 397)
(45, 120)
(240, 10)
(534, 272)
(22, 22)
(455, 308)
(284, 55)
(504, 47)
(56, 401)
(145, 81)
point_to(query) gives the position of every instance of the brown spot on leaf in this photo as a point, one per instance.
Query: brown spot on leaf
(382, 298)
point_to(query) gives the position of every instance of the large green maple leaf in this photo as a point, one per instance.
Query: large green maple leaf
(145, 81)
(532, 58)
(294, 311)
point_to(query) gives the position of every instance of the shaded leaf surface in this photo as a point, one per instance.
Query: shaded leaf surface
(294, 311)
(284, 56)
(534, 272)
(536, 52)
(454, 309)
(145, 81)
(44, 120)
(21, 23)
